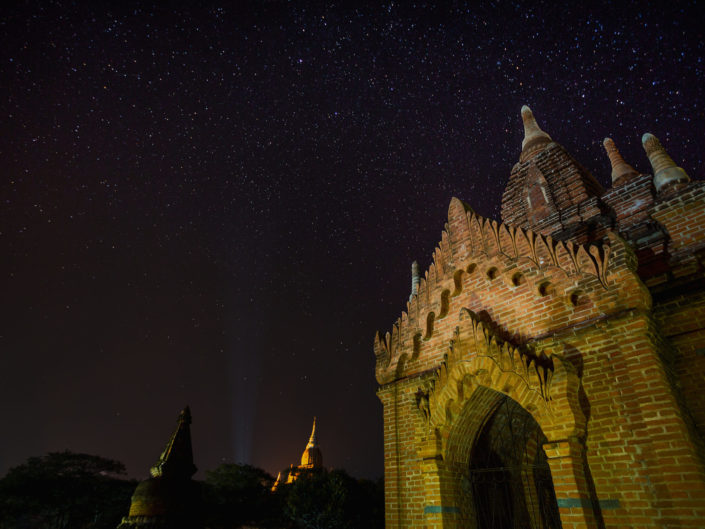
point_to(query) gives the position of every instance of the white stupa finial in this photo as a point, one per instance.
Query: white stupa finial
(535, 139)
(414, 279)
(621, 170)
(666, 172)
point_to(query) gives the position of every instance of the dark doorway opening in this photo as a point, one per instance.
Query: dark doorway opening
(509, 476)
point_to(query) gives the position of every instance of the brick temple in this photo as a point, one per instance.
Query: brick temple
(549, 369)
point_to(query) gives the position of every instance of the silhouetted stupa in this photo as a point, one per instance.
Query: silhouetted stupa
(169, 499)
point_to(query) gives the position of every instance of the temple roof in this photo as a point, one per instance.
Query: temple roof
(548, 190)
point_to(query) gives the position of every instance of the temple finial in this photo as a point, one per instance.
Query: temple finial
(535, 139)
(666, 172)
(313, 441)
(177, 457)
(185, 416)
(414, 279)
(621, 170)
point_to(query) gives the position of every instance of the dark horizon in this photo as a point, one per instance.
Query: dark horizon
(218, 207)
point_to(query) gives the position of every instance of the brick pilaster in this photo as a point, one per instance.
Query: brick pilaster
(576, 503)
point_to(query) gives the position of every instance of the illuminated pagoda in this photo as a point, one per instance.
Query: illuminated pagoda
(311, 459)
(169, 499)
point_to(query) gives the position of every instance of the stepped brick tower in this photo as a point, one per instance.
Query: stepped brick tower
(169, 499)
(311, 459)
(548, 370)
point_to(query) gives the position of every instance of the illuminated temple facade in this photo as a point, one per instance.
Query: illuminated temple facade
(549, 369)
(311, 459)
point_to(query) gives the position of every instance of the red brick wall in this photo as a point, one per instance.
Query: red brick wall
(612, 383)
(682, 320)
(632, 201)
(683, 217)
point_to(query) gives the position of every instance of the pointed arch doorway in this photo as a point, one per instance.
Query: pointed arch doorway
(508, 484)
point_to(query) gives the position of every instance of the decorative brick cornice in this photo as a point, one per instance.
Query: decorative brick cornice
(489, 238)
(482, 265)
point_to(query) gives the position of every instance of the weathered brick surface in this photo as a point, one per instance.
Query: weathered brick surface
(550, 192)
(631, 201)
(604, 345)
(683, 217)
(682, 320)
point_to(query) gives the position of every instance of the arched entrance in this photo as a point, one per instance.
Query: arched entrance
(508, 481)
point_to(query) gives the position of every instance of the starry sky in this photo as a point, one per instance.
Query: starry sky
(218, 206)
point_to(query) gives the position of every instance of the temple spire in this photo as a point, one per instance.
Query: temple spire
(666, 172)
(313, 441)
(312, 457)
(177, 457)
(535, 139)
(621, 170)
(169, 498)
(414, 279)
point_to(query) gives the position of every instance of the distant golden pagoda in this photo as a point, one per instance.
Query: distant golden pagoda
(311, 459)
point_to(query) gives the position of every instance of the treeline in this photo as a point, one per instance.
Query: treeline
(66, 490)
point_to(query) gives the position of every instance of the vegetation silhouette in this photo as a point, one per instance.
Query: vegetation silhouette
(63, 490)
(322, 499)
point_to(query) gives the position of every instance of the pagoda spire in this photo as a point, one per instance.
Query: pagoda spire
(535, 139)
(313, 440)
(666, 172)
(169, 499)
(621, 170)
(312, 457)
(177, 458)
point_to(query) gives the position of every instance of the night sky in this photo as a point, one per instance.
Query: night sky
(219, 206)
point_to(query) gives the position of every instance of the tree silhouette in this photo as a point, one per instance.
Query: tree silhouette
(65, 489)
(321, 499)
(237, 495)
